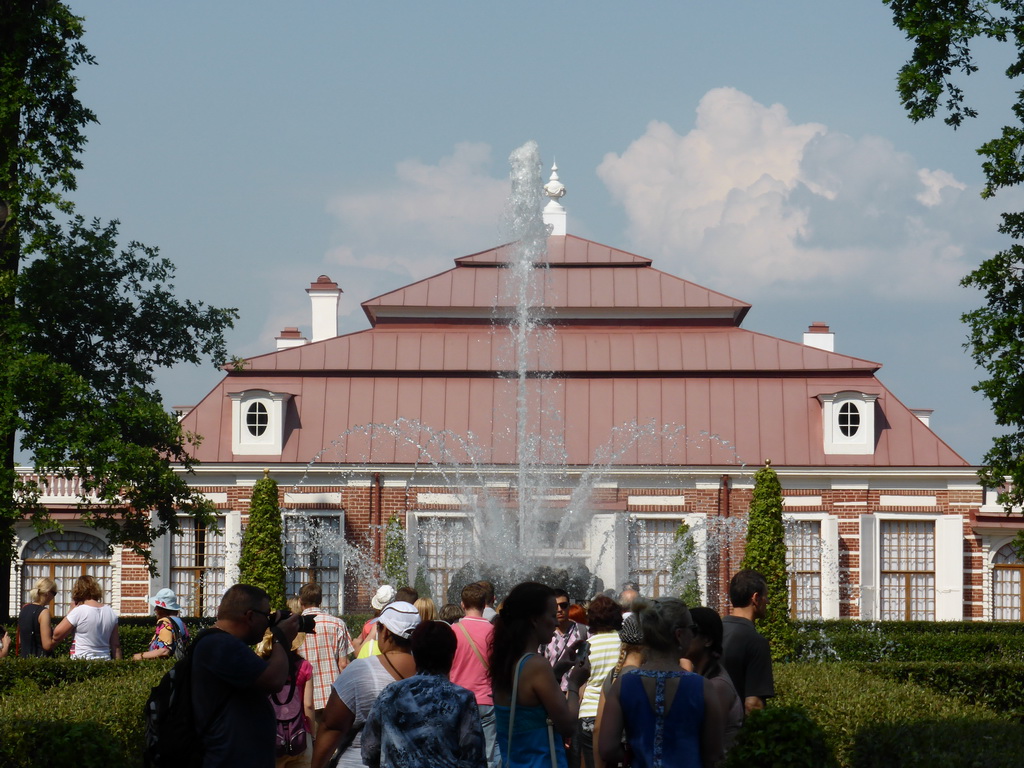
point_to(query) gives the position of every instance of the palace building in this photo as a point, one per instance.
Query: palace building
(884, 519)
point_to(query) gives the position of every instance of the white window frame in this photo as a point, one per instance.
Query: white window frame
(412, 537)
(698, 531)
(271, 442)
(949, 563)
(862, 442)
(830, 575)
(289, 518)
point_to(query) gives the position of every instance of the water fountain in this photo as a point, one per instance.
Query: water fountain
(526, 519)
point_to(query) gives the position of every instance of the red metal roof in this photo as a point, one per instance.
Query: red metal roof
(763, 417)
(584, 281)
(628, 345)
(458, 350)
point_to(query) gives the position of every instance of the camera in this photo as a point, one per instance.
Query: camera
(307, 624)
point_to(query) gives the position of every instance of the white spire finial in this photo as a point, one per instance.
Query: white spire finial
(554, 188)
(554, 213)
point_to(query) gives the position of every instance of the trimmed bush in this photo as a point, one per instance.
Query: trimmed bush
(92, 718)
(852, 706)
(781, 736)
(945, 641)
(997, 686)
(261, 563)
(948, 743)
(766, 554)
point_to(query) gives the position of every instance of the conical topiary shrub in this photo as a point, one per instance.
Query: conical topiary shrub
(261, 563)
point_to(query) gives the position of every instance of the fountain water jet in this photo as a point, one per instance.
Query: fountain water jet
(537, 512)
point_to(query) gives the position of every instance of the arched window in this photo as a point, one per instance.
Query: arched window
(1007, 580)
(258, 422)
(849, 419)
(64, 557)
(257, 418)
(848, 422)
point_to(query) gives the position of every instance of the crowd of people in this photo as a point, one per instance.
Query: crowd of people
(629, 681)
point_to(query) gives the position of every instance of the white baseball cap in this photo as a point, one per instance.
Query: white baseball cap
(401, 618)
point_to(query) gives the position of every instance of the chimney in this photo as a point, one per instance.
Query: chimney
(818, 335)
(290, 337)
(324, 295)
(924, 414)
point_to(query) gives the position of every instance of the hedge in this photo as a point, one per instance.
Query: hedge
(872, 720)
(997, 686)
(847, 640)
(866, 715)
(88, 715)
(137, 631)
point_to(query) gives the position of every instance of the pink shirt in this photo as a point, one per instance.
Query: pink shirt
(467, 670)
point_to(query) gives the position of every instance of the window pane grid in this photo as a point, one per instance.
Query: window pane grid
(313, 554)
(652, 546)
(64, 557)
(1007, 582)
(803, 556)
(442, 548)
(257, 418)
(197, 567)
(908, 570)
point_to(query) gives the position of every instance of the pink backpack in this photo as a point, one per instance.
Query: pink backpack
(291, 722)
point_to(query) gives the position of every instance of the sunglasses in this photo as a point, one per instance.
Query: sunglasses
(270, 616)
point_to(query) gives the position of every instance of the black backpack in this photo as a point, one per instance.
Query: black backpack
(173, 738)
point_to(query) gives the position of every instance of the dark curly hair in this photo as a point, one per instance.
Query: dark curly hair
(512, 628)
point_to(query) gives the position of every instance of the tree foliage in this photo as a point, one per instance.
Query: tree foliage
(684, 566)
(766, 554)
(396, 558)
(945, 34)
(84, 322)
(261, 562)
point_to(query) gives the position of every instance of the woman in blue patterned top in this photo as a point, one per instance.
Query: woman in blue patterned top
(425, 721)
(672, 718)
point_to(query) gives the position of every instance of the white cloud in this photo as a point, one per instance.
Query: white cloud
(749, 201)
(428, 216)
(934, 182)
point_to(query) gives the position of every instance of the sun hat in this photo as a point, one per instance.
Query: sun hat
(631, 632)
(401, 618)
(384, 595)
(165, 599)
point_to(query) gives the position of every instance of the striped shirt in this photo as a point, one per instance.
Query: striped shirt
(604, 655)
(327, 651)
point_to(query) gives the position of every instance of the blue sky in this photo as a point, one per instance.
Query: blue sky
(756, 148)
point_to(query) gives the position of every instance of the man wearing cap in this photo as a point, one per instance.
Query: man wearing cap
(170, 630)
(360, 682)
(327, 650)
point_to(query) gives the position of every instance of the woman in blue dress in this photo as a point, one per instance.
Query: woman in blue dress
(540, 714)
(671, 718)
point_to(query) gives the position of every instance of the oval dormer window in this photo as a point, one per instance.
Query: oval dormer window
(257, 418)
(849, 419)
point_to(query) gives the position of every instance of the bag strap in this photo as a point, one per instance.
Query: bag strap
(551, 743)
(291, 695)
(472, 644)
(512, 707)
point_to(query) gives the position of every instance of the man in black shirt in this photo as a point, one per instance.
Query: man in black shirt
(230, 682)
(747, 657)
